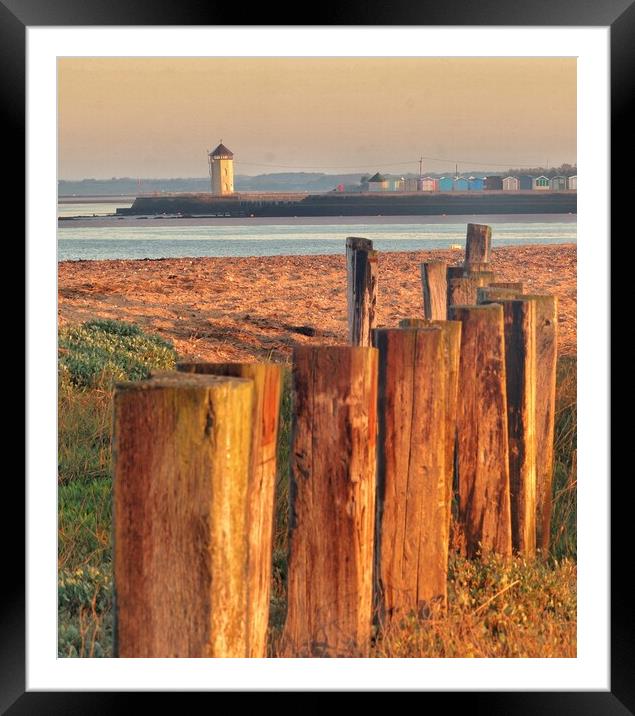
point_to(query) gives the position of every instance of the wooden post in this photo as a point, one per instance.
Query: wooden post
(451, 331)
(267, 379)
(520, 359)
(483, 448)
(181, 457)
(478, 267)
(455, 272)
(489, 294)
(546, 361)
(463, 291)
(484, 278)
(361, 264)
(332, 502)
(546, 349)
(518, 286)
(412, 530)
(435, 290)
(478, 245)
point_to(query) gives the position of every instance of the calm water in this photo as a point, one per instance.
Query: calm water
(91, 208)
(135, 239)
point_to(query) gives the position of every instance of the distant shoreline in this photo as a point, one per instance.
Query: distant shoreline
(355, 204)
(128, 221)
(98, 199)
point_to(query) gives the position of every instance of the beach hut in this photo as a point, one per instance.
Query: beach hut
(559, 184)
(476, 183)
(510, 184)
(572, 183)
(446, 184)
(429, 184)
(377, 183)
(541, 183)
(460, 184)
(493, 183)
(525, 182)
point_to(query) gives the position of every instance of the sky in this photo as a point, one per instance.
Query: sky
(158, 117)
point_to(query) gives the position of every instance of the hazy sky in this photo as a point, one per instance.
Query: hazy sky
(158, 117)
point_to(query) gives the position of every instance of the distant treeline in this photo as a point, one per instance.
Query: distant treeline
(564, 170)
(312, 182)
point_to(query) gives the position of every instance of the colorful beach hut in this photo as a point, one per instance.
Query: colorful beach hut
(541, 183)
(378, 183)
(429, 184)
(559, 184)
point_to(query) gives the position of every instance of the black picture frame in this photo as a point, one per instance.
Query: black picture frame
(17, 15)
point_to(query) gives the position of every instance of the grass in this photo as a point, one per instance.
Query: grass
(97, 353)
(564, 510)
(496, 608)
(92, 356)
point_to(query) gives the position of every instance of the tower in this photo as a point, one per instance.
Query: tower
(221, 170)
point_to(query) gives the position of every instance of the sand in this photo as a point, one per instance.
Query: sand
(231, 309)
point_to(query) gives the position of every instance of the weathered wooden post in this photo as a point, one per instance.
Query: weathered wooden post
(520, 360)
(181, 457)
(546, 349)
(463, 291)
(435, 290)
(482, 444)
(546, 361)
(267, 379)
(414, 478)
(478, 245)
(451, 331)
(518, 286)
(361, 265)
(484, 277)
(332, 502)
(455, 272)
(489, 294)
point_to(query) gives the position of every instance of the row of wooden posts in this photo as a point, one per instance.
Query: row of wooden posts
(387, 432)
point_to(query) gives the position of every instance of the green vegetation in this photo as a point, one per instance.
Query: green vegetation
(496, 609)
(91, 358)
(99, 352)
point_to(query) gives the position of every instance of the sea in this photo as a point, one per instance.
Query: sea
(95, 233)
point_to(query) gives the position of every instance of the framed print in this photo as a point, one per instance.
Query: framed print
(85, 76)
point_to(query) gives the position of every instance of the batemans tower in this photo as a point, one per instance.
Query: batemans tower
(221, 170)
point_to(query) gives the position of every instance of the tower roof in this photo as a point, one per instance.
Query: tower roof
(222, 150)
(377, 177)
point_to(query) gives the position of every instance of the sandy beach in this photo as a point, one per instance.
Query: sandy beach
(231, 309)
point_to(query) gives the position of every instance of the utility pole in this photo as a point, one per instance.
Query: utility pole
(420, 167)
